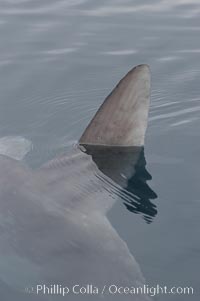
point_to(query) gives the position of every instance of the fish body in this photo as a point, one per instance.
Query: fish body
(54, 230)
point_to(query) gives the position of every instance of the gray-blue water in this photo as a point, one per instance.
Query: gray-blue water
(60, 58)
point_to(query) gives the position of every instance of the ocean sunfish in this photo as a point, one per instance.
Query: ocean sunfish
(55, 237)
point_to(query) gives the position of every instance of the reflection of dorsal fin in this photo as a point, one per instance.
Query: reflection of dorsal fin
(122, 118)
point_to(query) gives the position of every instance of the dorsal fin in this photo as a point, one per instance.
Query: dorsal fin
(122, 118)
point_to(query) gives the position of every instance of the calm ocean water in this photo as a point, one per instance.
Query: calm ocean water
(59, 60)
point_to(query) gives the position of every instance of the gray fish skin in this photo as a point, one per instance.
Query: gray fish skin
(54, 228)
(122, 118)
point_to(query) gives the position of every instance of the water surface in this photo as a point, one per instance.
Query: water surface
(60, 59)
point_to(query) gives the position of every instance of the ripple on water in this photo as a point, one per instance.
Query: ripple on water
(26, 7)
(120, 52)
(174, 102)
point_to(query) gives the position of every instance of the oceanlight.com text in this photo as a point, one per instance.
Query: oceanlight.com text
(90, 289)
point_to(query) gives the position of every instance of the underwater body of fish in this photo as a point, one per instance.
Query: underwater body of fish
(54, 232)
